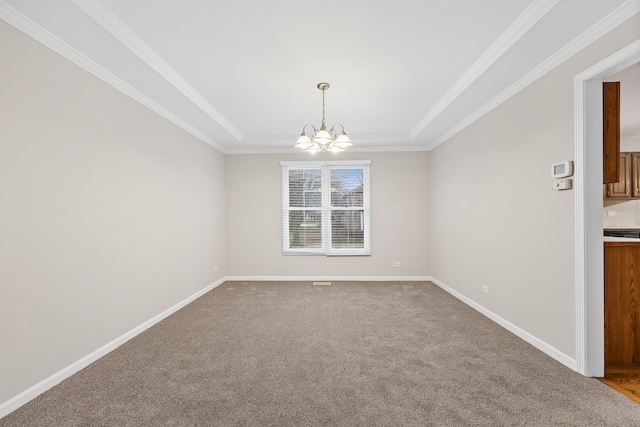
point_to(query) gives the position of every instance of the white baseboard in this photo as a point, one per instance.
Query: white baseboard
(44, 385)
(521, 333)
(329, 278)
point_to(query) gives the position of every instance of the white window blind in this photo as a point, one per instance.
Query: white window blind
(326, 208)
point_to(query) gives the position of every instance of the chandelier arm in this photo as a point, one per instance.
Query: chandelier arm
(337, 124)
(312, 127)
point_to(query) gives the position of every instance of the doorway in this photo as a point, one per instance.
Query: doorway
(589, 253)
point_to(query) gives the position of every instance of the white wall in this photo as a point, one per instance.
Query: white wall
(109, 214)
(399, 218)
(495, 219)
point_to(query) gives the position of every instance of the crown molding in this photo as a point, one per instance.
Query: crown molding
(98, 12)
(362, 138)
(35, 31)
(520, 26)
(354, 149)
(105, 18)
(362, 142)
(608, 23)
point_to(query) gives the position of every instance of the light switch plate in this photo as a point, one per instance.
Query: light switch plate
(562, 184)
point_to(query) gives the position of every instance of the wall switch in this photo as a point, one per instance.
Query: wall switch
(215, 268)
(397, 264)
(562, 184)
(486, 289)
(611, 213)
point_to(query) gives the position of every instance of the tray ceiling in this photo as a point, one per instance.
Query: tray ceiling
(242, 75)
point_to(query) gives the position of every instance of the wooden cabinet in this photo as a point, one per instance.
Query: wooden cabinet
(622, 303)
(622, 188)
(610, 131)
(628, 185)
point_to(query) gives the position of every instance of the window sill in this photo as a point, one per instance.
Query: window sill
(330, 255)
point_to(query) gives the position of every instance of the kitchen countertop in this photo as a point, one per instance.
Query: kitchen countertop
(619, 239)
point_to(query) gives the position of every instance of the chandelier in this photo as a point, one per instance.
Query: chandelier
(323, 139)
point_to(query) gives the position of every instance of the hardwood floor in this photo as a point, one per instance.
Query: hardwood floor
(624, 379)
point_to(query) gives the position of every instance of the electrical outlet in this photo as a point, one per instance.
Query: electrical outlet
(215, 268)
(486, 289)
(397, 264)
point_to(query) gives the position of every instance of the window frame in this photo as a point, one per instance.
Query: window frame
(326, 209)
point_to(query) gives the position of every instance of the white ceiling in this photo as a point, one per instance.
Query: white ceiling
(241, 75)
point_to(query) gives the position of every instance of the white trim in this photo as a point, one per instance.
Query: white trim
(580, 255)
(358, 138)
(516, 30)
(105, 18)
(531, 339)
(27, 26)
(620, 60)
(360, 149)
(519, 332)
(347, 163)
(589, 282)
(609, 22)
(330, 278)
(303, 164)
(32, 392)
(315, 164)
(326, 209)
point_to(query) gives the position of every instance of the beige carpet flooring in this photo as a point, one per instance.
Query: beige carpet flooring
(349, 354)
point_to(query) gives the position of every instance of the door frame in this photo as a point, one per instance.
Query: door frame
(589, 248)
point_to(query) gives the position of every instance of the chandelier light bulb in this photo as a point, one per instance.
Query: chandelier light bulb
(304, 141)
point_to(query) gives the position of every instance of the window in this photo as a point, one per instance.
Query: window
(325, 208)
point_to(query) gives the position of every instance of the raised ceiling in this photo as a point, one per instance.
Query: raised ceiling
(241, 75)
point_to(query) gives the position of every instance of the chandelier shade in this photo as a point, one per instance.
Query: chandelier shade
(322, 139)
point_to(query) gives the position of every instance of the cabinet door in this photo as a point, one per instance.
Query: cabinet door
(635, 175)
(622, 188)
(610, 131)
(621, 304)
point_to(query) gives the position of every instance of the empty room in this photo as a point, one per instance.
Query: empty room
(338, 213)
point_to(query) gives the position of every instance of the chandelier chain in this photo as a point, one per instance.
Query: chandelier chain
(323, 125)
